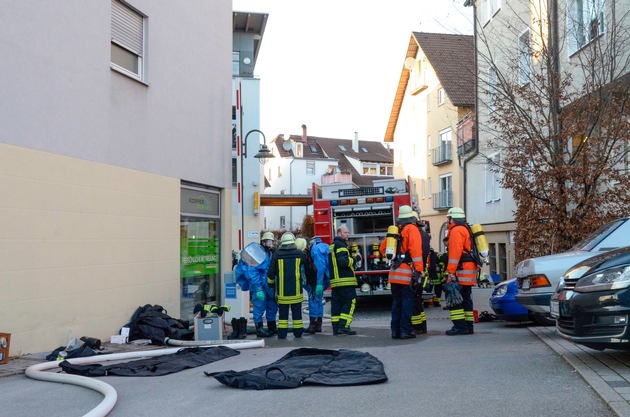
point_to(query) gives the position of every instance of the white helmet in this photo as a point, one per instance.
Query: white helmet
(456, 213)
(287, 238)
(300, 243)
(268, 236)
(365, 287)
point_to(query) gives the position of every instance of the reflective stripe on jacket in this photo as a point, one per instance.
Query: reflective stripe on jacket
(459, 244)
(286, 270)
(341, 264)
(411, 246)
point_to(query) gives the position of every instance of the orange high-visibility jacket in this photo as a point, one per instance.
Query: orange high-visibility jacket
(412, 246)
(458, 245)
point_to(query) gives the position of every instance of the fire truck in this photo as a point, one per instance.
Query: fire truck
(367, 212)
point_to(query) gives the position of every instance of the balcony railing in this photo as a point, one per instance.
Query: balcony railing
(442, 200)
(442, 154)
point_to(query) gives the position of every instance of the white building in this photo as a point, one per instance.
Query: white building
(114, 163)
(302, 160)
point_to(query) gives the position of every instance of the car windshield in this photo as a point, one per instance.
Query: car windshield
(599, 235)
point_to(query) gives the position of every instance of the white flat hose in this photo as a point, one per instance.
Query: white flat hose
(106, 405)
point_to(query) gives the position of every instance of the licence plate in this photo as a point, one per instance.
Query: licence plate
(555, 309)
(525, 284)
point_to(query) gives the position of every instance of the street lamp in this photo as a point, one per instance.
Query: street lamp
(264, 154)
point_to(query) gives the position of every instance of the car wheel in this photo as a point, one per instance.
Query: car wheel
(543, 320)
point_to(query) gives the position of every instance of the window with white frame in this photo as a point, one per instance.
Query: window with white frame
(127, 40)
(429, 187)
(492, 88)
(524, 57)
(441, 96)
(428, 102)
(299, 150)
(423, 188)
(429, 145)
(493, 179)
(446, 190)
(283, 222)
(585, 22)
(489, 8)
(445, 144)
(310, 168)
(369, 169)
(236, 59)
(386, 170)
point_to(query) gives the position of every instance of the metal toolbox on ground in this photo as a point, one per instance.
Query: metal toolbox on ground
(209, 327)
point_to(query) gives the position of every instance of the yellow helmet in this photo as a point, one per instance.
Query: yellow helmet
(287, 239)
(456, 213)
(268, 236)
(300, 243)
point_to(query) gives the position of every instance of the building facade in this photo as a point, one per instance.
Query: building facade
(433, 101)
(583, 40)
(115, 164)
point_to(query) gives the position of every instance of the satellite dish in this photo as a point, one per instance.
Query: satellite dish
(287, 146)
(410, 62)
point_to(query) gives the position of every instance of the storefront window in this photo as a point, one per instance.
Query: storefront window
(199, 249)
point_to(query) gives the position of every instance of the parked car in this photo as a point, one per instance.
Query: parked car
(591, 304)
(504, 303)
(537, 278)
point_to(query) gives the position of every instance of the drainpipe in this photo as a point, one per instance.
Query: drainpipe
(476, 110)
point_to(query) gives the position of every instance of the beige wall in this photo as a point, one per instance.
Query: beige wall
(82, 245)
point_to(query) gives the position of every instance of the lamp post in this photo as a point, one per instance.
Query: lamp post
(264, 154)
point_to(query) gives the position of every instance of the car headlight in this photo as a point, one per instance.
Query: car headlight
(500, 291)
(609, 279)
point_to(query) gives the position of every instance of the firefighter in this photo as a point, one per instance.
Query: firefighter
(461, 268)
(437, 270)
(263, 297)
(316, 280)
(286, 273)
(343, 283)
(407, 267)
(419, 317)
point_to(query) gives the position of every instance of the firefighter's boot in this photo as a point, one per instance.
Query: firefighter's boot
(236, 329)
(471, 327)
(318, 325)
(272, 328)
(260, 331)
(459, 328)
(312, 326)
(243, 326)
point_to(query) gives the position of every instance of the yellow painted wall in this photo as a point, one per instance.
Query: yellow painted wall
(82, 245)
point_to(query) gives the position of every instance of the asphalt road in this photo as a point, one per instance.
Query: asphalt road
(501, 370)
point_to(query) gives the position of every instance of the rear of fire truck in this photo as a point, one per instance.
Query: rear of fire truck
(367, 212)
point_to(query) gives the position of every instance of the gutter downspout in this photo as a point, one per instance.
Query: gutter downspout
(475, 111)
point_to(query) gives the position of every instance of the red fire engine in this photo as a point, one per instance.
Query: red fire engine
(367, 212)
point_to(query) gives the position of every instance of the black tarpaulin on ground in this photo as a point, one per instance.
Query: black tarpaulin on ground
(309, 366)
(157, 366)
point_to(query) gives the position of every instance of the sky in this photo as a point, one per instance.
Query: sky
(334, 65)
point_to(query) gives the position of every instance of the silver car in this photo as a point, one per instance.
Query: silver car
(537, 278)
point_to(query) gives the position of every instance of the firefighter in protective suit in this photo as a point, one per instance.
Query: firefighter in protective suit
(461, 268)
(286, 273)
(317, 256)
(263, 297)
(406, 269)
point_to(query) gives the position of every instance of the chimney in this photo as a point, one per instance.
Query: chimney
(355, 142)
(304, 136)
